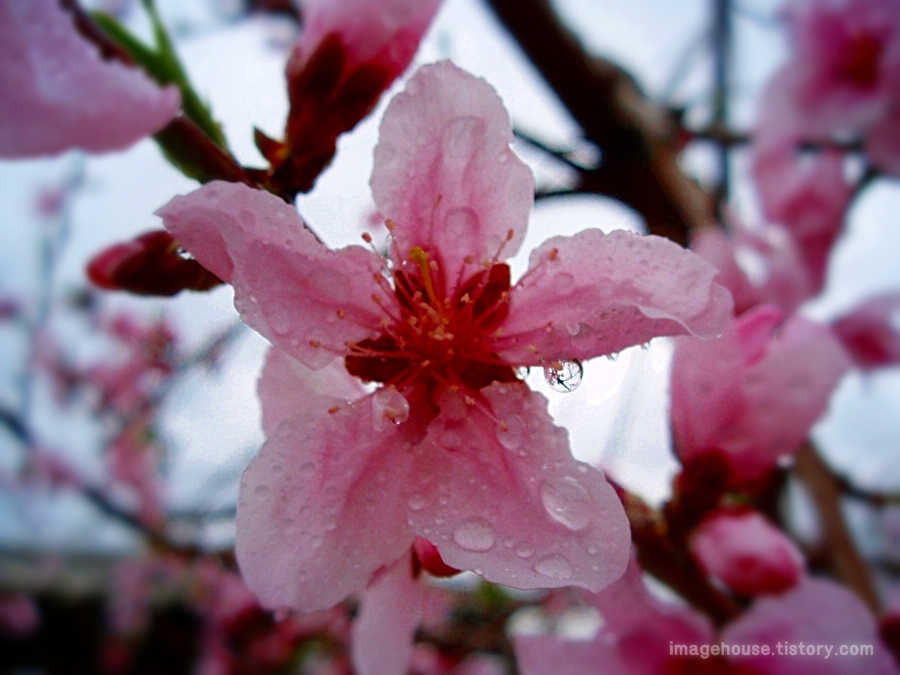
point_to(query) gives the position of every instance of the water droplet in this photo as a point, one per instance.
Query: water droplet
(613, 357)
(524, 551)
(511, 437)
(554, 566)
(277, 468)
(567, 502)
(564, 376)
(280, 322)
(475, 534)
(417, 502)
(388, 404)
(307, 469)
(522, 372)
(261, 490)
(592, 549)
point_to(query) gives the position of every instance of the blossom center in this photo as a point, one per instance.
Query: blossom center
(432, 338)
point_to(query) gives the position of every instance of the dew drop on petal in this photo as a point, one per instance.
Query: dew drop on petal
(567, 502)
(554, 566)
(565, 283)
(475, 534)
(388, 404)
(417, 502)
(566, 377)
(524, 551)
(522, 372)
(261, 490)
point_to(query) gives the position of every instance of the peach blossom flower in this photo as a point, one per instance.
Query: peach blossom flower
(451, 445)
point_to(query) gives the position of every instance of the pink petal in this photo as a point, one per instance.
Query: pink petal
(387, 32)
(445, 174)
(278, 393)
(57, 93)
(390, 612)
(754, 411)
(323, 504)
(870, 332)
(747, 553)
(514, 506)
(626, 605)
(598, 293)
(303, 297)
(817, 612)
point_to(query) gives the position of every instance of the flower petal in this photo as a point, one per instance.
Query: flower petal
(390, 612)
(57, 93)
(445, 174)
(283, 377)
(319, 512)
(868, 332)
(747, 553)
(758, 409)
(514, 506)
(303, 297)
(387, 32)
(816, 612)
(594, 294)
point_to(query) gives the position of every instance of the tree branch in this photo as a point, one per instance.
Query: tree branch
(638, 139)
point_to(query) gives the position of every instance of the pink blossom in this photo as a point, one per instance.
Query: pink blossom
(755, 392)
(839, 79)
(133, 460)
(870, 333)
(350, 51)
(57, 93)
(816, 612)
(451, 446)
(747, 553)
(760, 266)
(808, 196)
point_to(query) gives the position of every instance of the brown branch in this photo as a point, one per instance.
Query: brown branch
(673, 565)
(825, 489)
(638, 139)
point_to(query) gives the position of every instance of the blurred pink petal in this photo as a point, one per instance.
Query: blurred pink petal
(757, 266)
(747, 553)
(19, 615)
(808, 196)
(390, 612)
(871, 332)
(817, 612)
(757, 410)
(838, 81)
(445, 174)
(57, 93)
(883, 142)
(598, 293)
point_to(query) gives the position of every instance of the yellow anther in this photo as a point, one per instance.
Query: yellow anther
(315, 344)
(418, 256)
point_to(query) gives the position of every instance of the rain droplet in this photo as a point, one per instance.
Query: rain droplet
(524, 551)
(306, 469)
(388, 404)
(475, 534)
(564, 376)
(565, 282)
(417, 502)
(522, 372)
(567, 502)
(592, 549)
(261, 490)
(554, 566)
